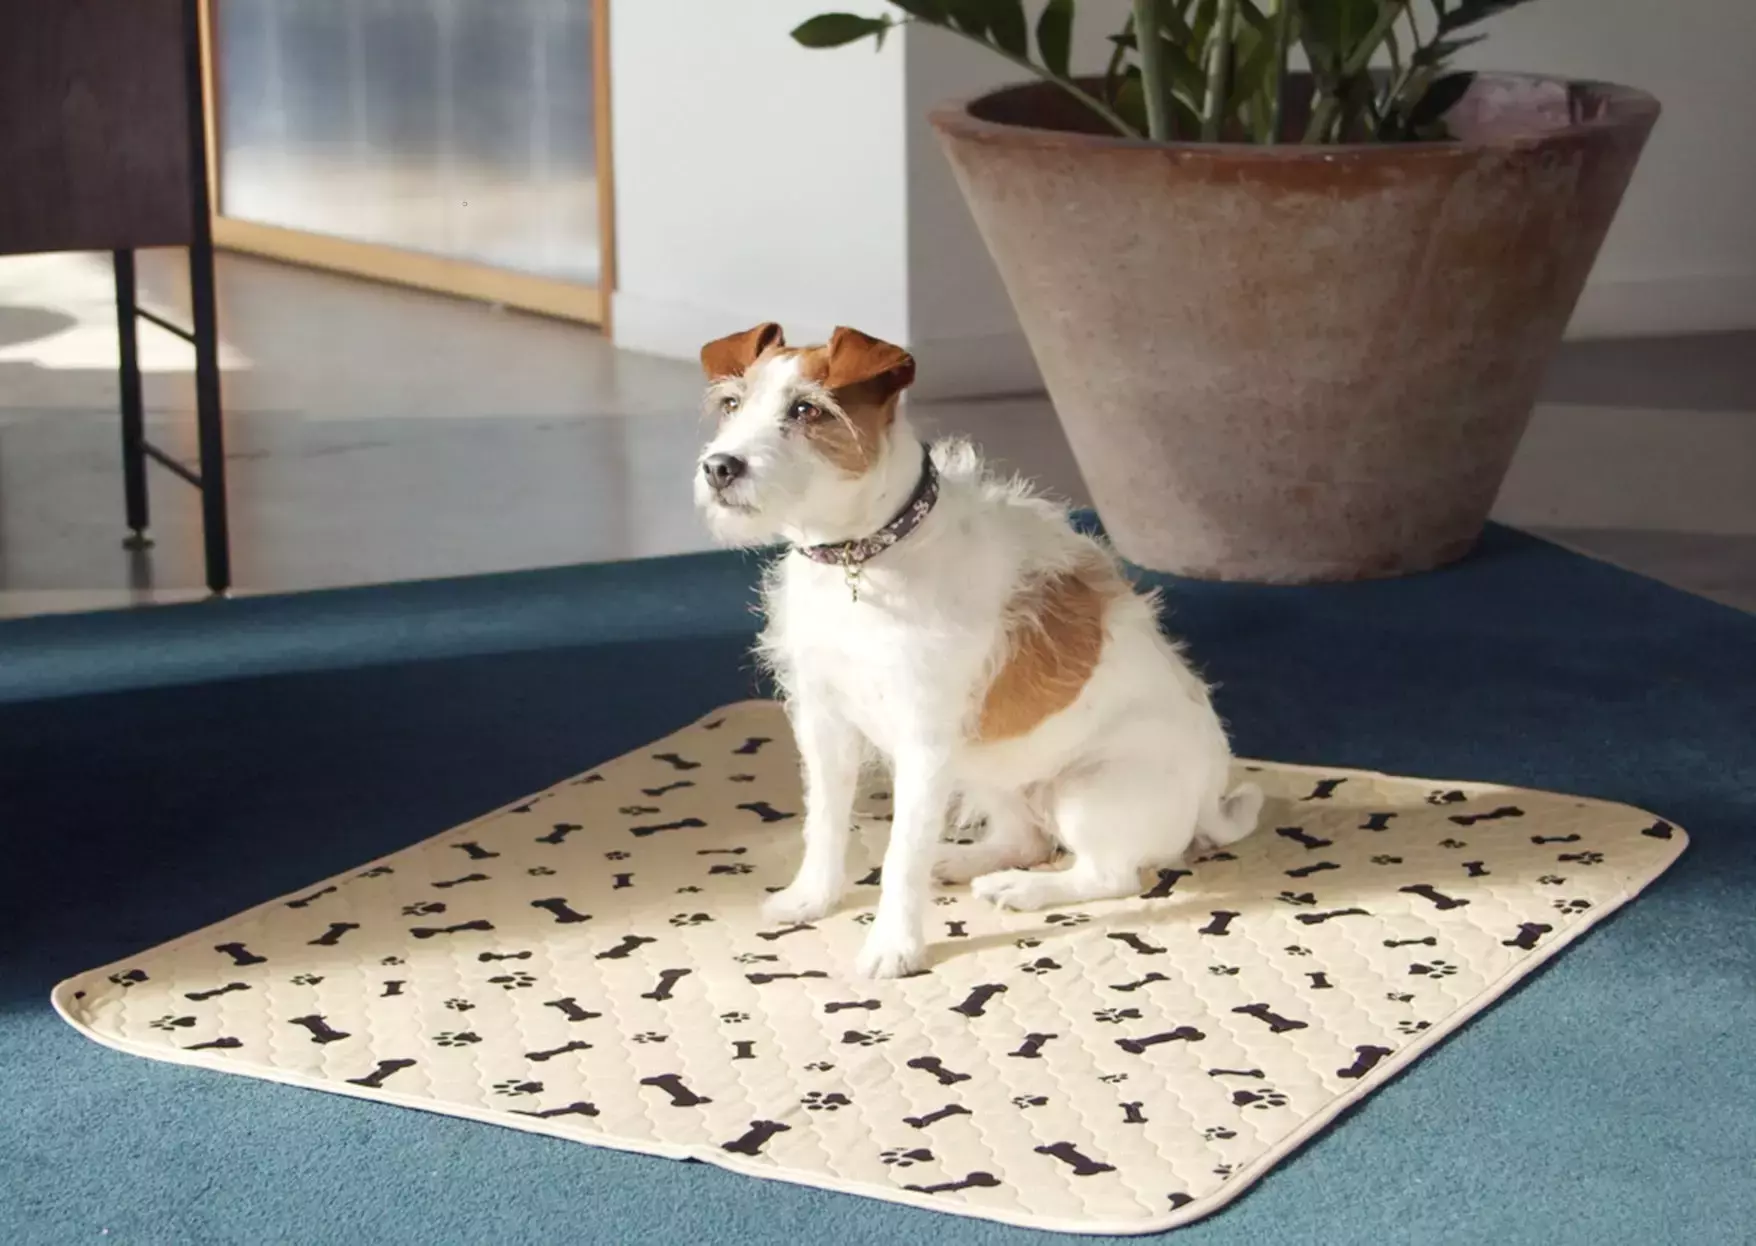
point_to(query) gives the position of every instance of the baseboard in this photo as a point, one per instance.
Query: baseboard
(1665, 306)
(988, 365)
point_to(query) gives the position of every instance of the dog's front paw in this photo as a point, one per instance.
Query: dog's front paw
(890, 954)
(802, 901)
(1023, 890)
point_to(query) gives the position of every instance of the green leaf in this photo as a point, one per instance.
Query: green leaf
(927, 10)
(1255, 70)
(1430, 109)
(1131, 101)
(1185, 75)
(1055, 35)
(969, 16)
(1006, 26)
(1332, 29)
(1252, 15)
(834, 30)
(1174, 19)
(1469, 12)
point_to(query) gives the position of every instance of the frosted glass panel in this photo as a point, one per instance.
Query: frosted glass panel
(463, 128)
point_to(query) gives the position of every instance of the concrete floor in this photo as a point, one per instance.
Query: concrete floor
(376, 434)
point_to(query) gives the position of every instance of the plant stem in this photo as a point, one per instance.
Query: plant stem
(1283, 25)
(1219, 71)
(1329, 101)
(1118, 53)
(1155, 80)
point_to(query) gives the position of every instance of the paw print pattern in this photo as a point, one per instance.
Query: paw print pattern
(1582, 858)
(650, 1036)
(634, 811)
(1452, 843)
(942, 901)
(1433, 969)
(1551, 880)
(1029, 1101)
(391, 960)
(1382, 859)
(734, 867)
(173, 1023)
(458, 1038)
(617, 855)
(751, 958)
(1114, 1016)
(1413, 1027)
(1293, 949)
(1039, 966)
(734, 1018)
(820, 1066)
(1297, 897)
(690, 919)
(1400, 997)
(305, 979)
(687, 891)
(539, 871)
(865, 1038)
(905, 1157)
(1067, 919)
(1572, 906)
(513, 981)
(1222, 1170)
(425, 908)
(1218, 1133)
(459, 1005)
(865, 919)
(514, 1087)
(820, 1101)
(1112, 1078)
(1026, 944)
(1223, 971)
(1261, 1099)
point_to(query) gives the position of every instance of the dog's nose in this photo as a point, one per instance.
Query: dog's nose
(722, 469)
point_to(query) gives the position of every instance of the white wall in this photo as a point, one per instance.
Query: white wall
(754, 180)
(963, 330)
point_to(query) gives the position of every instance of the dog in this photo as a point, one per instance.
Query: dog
(958, 628)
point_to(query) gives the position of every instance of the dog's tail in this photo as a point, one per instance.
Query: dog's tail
(1230, 817)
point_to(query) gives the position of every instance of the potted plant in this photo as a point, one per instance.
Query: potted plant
(1293, 320)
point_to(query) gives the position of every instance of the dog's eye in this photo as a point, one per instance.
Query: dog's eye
(802, 410)
(728, 404)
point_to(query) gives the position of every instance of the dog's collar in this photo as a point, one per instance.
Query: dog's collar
(852, 555)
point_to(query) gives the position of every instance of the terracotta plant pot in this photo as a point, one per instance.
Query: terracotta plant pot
(1290, 363)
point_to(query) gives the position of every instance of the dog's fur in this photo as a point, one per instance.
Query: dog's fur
(995, 657)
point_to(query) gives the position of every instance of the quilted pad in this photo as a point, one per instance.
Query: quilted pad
(591, 962)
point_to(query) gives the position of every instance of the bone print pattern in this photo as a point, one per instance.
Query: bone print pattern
(599, 969)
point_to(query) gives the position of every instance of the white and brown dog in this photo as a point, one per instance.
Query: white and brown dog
(958, 627)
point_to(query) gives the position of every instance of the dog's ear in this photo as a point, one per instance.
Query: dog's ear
(731, 356)
(858, 360)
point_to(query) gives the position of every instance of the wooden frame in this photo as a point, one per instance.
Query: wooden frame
(544, 295)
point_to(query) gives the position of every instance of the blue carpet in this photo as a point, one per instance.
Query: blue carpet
(162, 770)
